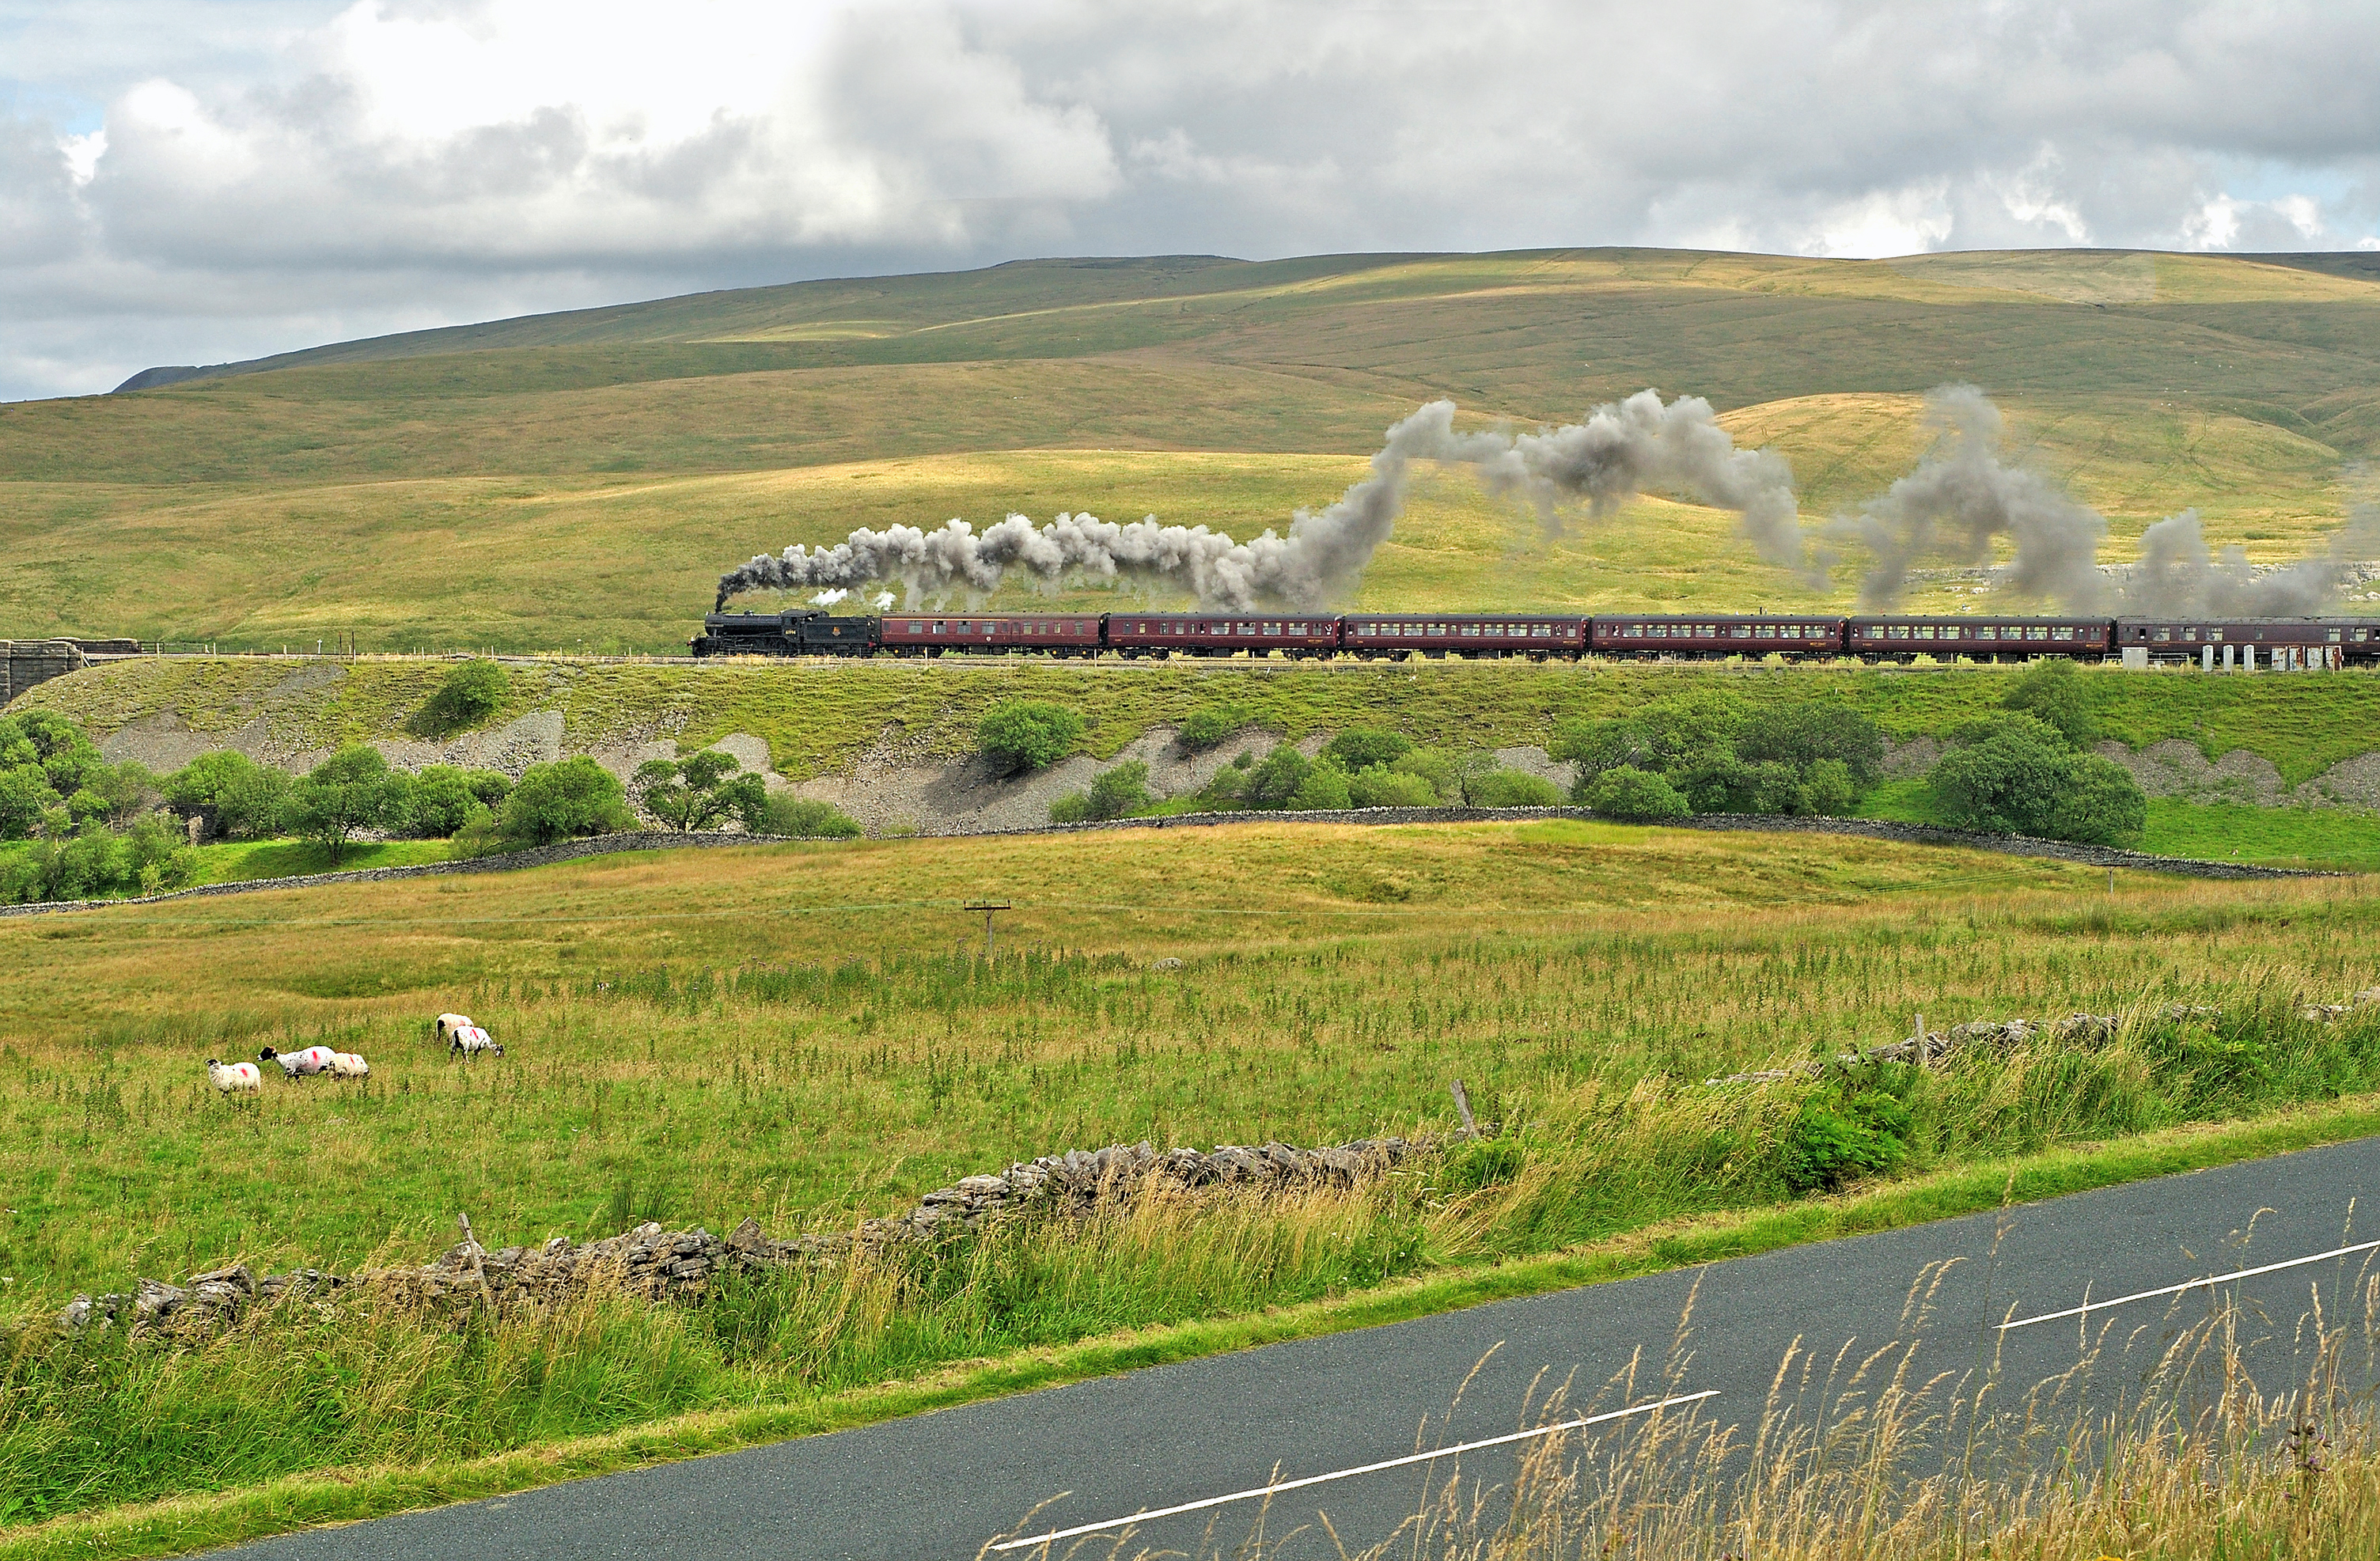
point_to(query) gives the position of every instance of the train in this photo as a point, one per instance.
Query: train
(2276, 643)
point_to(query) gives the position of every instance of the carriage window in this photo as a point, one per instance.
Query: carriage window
(2334, 636)
(916, 628)
(2162, 636)
(1765, 632)
(1545, 631)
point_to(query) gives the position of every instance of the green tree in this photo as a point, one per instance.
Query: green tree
(1120, 792)
(1828, 789)
(468, 696)
(701, 791)
(1634, 796)
(1808, 730)
(26, 795)
(1361, 747)
(243, 799)
(1275, 778)
(1595, 747)
(2100, 804)
(1021, 734)
(2052, 691)
(554, 802)
(1323, 789)
(443, 800)
(345, 792)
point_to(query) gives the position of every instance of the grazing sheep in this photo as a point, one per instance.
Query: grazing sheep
(450, 1022)
(243, 1077)
(470, 1041)
(299, 1064)
(347, 1065)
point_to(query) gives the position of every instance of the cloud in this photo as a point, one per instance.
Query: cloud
(299, 166)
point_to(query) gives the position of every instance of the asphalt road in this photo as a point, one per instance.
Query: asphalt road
(944, 1485)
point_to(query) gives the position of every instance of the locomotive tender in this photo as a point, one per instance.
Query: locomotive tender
(2259, 642)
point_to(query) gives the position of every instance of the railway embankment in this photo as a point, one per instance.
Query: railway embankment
(893, 744)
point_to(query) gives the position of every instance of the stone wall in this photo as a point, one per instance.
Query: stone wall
(659, 1264)
(25, 663)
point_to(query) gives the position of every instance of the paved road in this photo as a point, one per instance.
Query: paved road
(942, 1484)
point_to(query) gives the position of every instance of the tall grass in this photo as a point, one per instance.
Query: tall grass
(1863, 1458)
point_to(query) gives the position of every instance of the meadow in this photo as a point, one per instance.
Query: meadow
(812, 1034)
(579, 482)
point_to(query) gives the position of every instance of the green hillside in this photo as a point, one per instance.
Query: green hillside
(582, 478)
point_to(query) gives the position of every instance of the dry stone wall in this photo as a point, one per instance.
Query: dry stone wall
(659, 1264)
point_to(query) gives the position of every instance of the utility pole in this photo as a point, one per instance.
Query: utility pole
(990, 908)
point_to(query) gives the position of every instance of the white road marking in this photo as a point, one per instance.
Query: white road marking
(2189, 1284)
(1145, 1516)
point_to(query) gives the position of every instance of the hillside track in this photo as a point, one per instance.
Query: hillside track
(948, 1484)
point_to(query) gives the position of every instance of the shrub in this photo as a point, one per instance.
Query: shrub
(1828, 789)
(347, 792)
(26, 795)
(1379, 786)
(148, 858)
(1867, 1135)
(1596, 746)
(1440, 770)
(1361, 747)
(1275, 778)
(1812, 732)
(1513, 788)
(1120, 792)
(2014, 774)
(807, 818)
(468, 696)
(2051, 692)
(1322, 790)
(1630, 793)
(556, 802)
(1208, 725)
(243, 799)
(1021, 734)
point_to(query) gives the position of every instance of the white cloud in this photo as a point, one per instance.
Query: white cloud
(307, 167)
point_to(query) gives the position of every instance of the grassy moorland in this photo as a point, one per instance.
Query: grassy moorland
(811, 1033)
(539, 483)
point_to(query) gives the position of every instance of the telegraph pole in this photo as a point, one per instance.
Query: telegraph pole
(990, 908)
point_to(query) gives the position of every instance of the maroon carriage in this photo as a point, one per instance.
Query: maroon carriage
(1193, 634)
(1461, 634)
(1715, 634)
(998, 633)
(1981, 639)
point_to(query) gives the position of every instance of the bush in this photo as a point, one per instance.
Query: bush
(1514, 788)
(469, 694)
(1208, 725)
(1275, 778)
(1322, 790)
(1867, 1135)
(242, 799)
(1361, 747)
(2014, 774)
(1630, 793)
(1120, 792)
(148, 858)
(1379, 786)
(1813, 731)
(1021, 734)
(807, 818)
(554, 802)
(1443, 772)
(1828, 789)
(2052, 692)
(351, 790)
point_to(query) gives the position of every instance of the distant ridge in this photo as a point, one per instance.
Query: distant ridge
(151, 379)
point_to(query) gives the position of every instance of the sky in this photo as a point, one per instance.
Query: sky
(199, 181)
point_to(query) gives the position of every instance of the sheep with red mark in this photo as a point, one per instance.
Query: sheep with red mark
(235, 1078)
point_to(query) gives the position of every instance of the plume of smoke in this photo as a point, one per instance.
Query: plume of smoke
(1618, 450)
(1961, 497)
(2179, 577)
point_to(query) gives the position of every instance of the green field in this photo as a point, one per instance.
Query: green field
(578, 481)
(811, 1033)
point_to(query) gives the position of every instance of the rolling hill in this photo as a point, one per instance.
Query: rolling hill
(578, 481)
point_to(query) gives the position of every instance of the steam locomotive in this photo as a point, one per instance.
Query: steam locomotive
(2276, 643)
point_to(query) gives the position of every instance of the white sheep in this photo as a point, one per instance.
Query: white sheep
(347, 1065)
(299, 1064)
(470, 1040)
(450, 1022)
(243, 1077)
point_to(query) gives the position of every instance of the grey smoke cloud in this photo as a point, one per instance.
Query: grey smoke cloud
(1621, 449)
(2179, 577)
(1961, 500)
